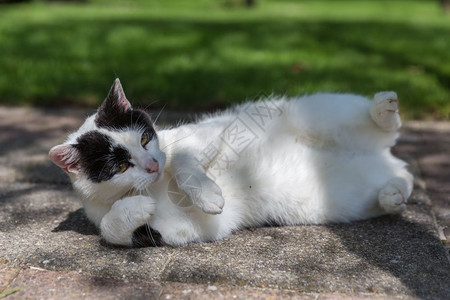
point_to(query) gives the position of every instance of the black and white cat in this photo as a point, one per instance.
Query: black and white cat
(310, 160)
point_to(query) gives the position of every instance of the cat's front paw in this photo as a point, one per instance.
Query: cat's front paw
(125, 216)
(210, 199)
(384, 111)
(202, 191)
(135, 210)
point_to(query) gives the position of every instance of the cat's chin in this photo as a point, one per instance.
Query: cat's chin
(144, 183)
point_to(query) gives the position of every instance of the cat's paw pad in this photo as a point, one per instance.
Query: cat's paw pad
(392, 199)
(384, 111)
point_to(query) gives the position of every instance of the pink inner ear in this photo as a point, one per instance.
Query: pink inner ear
(123, 101)
(65, 157)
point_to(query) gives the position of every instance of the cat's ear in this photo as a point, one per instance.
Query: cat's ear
(116, 99)
(66, 157)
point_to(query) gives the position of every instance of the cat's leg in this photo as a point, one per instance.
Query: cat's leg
(345, 121)
(394, 195)
(125, 216)
(192, 179)
(384, 111)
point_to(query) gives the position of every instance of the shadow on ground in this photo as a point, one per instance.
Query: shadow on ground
(78, 222)
(408, 251)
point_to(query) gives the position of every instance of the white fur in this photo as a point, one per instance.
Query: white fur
(311, 160)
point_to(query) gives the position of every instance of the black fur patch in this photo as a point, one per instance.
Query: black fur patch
(99, 158)
(145, 236)
(116, 119)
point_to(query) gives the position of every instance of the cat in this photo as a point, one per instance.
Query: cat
(316, 159)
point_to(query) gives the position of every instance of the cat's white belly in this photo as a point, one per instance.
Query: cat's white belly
(291, 183)
(296, 184)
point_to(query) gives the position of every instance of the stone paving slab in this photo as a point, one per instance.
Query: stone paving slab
(45, 236)
(432, 151)
(33, 283)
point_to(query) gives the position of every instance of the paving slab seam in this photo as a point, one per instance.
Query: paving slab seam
(166, 264)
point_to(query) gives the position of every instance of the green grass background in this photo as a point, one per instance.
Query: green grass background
(202, 54)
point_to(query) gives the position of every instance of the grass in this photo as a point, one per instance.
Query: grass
(10, 292)
(199, 54)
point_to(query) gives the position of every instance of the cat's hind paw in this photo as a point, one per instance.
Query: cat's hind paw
(391, 199)
(384, 111)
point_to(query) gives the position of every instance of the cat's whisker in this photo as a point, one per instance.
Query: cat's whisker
(149, 233)
(151, 104)
(104, 166)
(141, 184)
(137, 121)
(131, 119)
(130, 192)
(147, 225)
(176, 141)
(141, 129)
(157, 117)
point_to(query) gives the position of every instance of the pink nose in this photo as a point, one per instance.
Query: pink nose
(152, 166)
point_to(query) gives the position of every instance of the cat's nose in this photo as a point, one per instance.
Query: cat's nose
(152, 166)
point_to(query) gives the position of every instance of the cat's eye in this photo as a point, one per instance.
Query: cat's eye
(144, 139)
(123, 167)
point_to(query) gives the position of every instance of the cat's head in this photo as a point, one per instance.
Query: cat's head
(114, 151)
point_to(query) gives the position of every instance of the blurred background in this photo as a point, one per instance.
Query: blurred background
(194, 55)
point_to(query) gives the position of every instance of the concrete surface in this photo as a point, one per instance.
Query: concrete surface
(50, 250)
